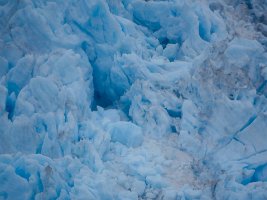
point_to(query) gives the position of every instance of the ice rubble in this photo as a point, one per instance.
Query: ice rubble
(133, 99)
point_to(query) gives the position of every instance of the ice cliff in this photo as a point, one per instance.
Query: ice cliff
(133, 99)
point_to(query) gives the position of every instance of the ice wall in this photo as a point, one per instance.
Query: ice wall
(133, 99)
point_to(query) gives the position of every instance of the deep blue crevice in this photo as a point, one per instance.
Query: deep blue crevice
(261, 88)
(174, 113)
(40, 184)
(248, 123)
(246, 181)
(153, 26)
(13, 91)
(89, 51)
(164, 42)
(12, 87)
(4, 195)
(249, 4)
(203, 32)
(39, 147)
(41, 127)
(201, 130)
(81, 28)
(65, 116)
(22, 173)
(100, 97)
(38, 188)
(173, 129)
(10, 106)
(260, 173)
(100, 100)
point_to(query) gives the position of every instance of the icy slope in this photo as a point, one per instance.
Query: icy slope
(133, 99)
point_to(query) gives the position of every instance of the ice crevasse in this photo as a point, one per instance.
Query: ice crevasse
(133, 99)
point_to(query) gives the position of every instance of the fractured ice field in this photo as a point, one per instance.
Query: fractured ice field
(133, 99)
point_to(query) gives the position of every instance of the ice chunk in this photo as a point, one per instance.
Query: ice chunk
(244, 50)
(19, 137)
(254, 133)
(43, 94)
(13, 186)
(126, 133)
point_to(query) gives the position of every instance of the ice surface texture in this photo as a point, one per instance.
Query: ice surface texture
(133, 99)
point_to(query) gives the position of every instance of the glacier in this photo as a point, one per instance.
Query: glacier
(133, 99)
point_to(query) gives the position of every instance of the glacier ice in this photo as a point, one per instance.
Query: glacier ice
(133, 99)
(126, 133)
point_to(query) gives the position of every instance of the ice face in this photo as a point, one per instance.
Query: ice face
(133, 99)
